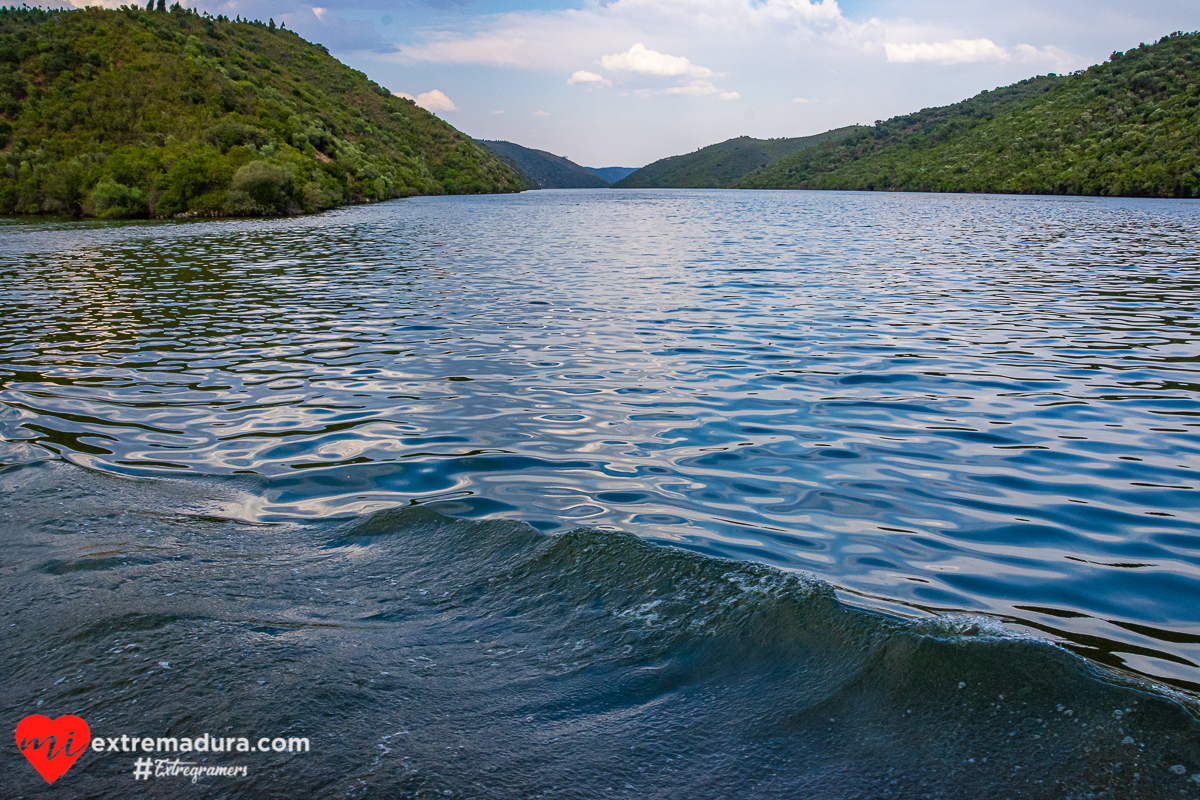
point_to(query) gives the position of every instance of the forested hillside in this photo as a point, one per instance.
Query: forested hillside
(135, 113)
(1129, 126)
(721, 165)
(547, 170)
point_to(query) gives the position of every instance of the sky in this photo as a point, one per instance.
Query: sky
(626, 82)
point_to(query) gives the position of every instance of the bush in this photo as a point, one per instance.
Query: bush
(190, 178)
(64, 188)
(260, 188)
(112, 200)
(227, 134)
(315, 197)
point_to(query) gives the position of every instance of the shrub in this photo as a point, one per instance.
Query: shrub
(190, 178)
(112, 200)
(228, 133)
(260, 188)
(315, 197)
(64, 188)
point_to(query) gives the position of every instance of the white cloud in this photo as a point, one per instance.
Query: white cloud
(824, 11)
(555, 40)
(1050, 55)
(737, 29)
(498, 49)
(497, 112)
(801, 100)
(692, 89)
(639, 60)
(956, 51)
(433, 100)
(541, 113)
(583, 76)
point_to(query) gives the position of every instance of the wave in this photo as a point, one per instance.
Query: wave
(431, 656)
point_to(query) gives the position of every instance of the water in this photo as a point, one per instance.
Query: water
(963, 427)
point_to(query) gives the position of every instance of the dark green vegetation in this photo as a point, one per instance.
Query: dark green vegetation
(1130, 126)
(719, 166)
(133, 113)
(612, 174)
(547, 170)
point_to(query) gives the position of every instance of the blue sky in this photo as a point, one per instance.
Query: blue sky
(625, 82)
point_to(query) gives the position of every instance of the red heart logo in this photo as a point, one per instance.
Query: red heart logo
(50, 744)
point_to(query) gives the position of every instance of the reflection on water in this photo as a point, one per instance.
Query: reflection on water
(935, 402)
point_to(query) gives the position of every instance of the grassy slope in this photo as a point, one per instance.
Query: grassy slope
(1130, 126)
(132, 113)
(720, 165)
(547, 170)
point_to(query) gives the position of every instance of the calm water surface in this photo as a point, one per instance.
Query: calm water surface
(935, 403)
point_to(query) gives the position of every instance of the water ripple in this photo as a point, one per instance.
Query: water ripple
(982, 404)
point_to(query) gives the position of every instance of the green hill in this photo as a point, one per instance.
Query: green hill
(547, 170)
(721, 165)
(1130, 126)
(133, 113)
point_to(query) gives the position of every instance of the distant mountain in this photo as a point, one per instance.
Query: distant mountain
(547, 170)
(612, 174)
(1130, 126)
(721, 165)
